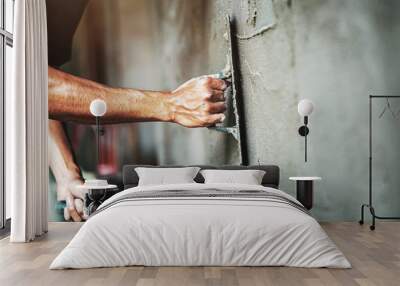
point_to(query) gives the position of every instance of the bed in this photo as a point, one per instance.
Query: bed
(198, 224)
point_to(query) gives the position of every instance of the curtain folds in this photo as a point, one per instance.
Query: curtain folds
(27, 123)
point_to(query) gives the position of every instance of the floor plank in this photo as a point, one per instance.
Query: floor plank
(375, 257)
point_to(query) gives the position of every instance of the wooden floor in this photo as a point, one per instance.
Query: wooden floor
(375, 257)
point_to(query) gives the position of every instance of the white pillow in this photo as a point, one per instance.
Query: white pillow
(163, 176)
(248, 177)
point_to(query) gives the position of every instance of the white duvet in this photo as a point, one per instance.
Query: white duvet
(200, 231)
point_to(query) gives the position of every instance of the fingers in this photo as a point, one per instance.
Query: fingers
(214, 119)
(200, 102)
(218, 107)
(74, 215)
(215, 83)
(71, 209)
(201, 121)
(217, 95)
(79, 206)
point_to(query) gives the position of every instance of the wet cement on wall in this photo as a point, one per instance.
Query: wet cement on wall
(333, 52)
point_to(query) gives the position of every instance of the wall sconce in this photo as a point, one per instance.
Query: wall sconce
(98, 108)
(305, 108)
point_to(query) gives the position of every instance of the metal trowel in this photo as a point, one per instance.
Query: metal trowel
(235, 124)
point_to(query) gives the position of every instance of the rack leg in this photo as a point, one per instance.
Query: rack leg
(372, 210)
(374, 216)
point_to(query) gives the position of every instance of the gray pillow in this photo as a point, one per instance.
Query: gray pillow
(163, 176)
(247, 177)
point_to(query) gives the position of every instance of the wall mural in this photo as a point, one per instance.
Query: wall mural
(288, 51)
(155, 81)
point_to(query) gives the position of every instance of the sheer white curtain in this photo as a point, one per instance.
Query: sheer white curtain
(27, 123)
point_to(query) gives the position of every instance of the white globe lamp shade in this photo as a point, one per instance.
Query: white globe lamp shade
(305, 107)
(98, 107)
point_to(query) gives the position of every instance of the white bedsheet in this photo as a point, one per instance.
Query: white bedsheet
(200, 231)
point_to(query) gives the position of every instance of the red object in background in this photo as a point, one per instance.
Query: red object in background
(108, 164)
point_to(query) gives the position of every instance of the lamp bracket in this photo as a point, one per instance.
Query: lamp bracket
(304, 131)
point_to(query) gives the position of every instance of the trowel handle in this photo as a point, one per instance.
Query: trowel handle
(220, 75)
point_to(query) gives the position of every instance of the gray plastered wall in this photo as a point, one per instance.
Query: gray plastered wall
(334, 52)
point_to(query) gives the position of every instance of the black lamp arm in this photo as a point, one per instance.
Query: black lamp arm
(98, 140)
(303, 131)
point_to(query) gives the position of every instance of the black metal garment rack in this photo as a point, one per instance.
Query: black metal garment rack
(370, 205)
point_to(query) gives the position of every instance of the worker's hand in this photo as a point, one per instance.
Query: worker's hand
(199, 102)
(66, 172)
(68, 191)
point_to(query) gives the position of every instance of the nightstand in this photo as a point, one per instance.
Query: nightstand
(304, 190)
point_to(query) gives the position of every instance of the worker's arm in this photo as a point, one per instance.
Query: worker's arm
(197, 103)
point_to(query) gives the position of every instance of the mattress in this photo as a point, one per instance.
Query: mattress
(201, 225)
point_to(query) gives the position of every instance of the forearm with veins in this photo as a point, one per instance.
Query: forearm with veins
(70, 97)
(198, 102)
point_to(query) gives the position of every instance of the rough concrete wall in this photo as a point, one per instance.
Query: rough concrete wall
(335, 53)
